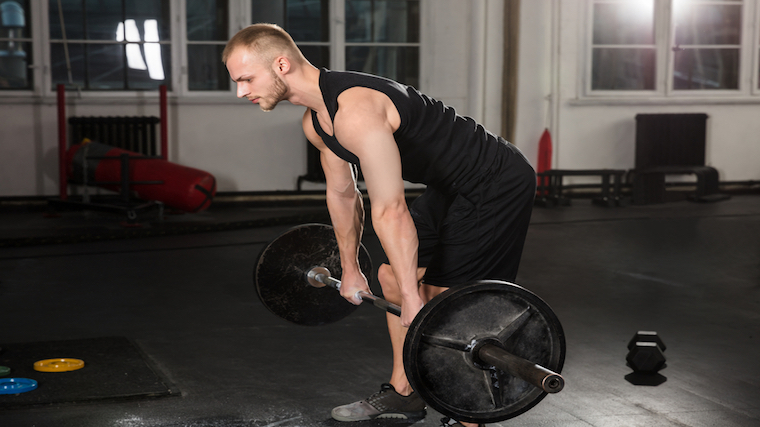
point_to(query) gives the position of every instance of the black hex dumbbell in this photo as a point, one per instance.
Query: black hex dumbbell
(646, 352)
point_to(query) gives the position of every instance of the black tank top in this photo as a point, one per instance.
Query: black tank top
(438, 147)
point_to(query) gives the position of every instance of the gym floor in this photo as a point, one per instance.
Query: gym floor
(687, 270)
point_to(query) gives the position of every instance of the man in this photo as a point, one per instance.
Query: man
(469, 224)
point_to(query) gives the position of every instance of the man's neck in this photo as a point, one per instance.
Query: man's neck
(305, 90)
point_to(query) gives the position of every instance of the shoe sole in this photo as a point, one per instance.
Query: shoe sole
(400, 415)
(403, 415)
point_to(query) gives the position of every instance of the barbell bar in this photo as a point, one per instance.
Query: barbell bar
(537, 375)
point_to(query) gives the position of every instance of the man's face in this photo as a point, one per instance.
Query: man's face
(256, 81)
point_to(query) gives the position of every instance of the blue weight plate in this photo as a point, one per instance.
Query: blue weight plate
(16, 385)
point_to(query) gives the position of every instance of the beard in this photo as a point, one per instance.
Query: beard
(278, 90)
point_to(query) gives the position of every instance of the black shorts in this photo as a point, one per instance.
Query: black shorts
(480, 233)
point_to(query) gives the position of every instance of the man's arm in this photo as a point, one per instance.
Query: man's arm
(345, 205)
(364, 125)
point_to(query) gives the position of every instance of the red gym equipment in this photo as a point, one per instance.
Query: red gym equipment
(152, 179)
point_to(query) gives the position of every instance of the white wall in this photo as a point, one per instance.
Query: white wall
(534, 76)
(592, 133)
(248, 150)
(243, 147)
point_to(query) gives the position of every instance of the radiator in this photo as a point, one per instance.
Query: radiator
(137, 134)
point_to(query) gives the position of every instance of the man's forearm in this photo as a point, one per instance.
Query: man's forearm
(395, 229)
(347, 216)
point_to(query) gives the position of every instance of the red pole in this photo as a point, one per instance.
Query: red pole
(62, 180)
(544, 159)
(164, 121)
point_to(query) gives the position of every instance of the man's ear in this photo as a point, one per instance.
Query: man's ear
(281, 65)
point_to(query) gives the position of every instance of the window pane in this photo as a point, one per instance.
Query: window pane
(707, 24)
(58, 64)
(706, 69)
(385, 21)
(207, 20)
(268, 11)
(109, 20)
(623, 69)
(397, 63)
(206, 71)
(157, 69)
(319, 56)
(102, 67)
(624, 23)
(143, 11)
(73, 16)
(304, 20)
(15, 54)
(141, 65)
(14, 66)
(105, 66)
(101, 20)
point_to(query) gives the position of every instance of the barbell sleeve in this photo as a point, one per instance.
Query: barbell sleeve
(546, 380)
(537, 375)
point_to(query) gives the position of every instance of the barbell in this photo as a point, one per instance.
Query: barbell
(480, 352)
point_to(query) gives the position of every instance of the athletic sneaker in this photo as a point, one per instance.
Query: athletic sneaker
(386, 403)
(448, 422)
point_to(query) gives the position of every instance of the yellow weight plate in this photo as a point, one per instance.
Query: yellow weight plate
(58, 365)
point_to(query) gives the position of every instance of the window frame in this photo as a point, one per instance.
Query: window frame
(30, 39)
(42, 86)
(749, 57)
(373, 44)
(43, 81)
(588, 43)
(754, 75)
(181, 77)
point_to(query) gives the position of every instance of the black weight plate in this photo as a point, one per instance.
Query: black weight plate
(279, 275)
(439, 363)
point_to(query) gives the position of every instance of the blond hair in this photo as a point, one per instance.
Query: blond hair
(267, 41)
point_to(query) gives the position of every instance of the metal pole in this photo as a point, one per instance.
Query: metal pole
(62, 178)
(164, 123)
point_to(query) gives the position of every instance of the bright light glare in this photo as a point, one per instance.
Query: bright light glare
(120, 32)
(134, 55)
(128, 29)
(153, 50)
(132, 33)
(151, 30)
(641, 11)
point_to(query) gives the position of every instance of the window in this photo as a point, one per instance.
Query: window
(667, 47)
(133, 45)
(207, 34)
(707, 44)
(305, 20)
(15, 45)
(383, 37)
(623, 47)
(110, 45)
